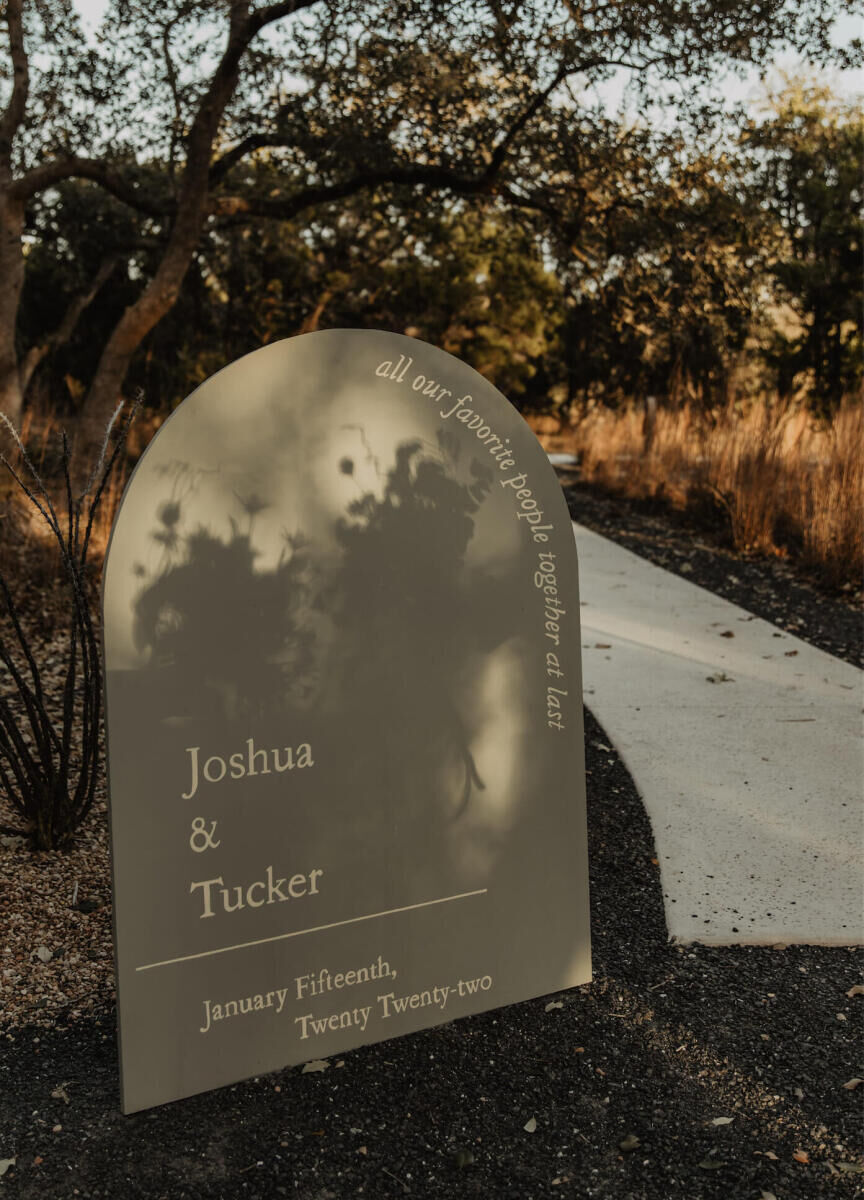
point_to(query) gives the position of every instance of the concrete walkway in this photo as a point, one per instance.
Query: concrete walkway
(745, 744)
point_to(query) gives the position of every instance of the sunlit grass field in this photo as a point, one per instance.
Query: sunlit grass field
(778, 480)
(782, 482)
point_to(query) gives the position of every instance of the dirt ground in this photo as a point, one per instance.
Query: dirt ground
(678, 1072)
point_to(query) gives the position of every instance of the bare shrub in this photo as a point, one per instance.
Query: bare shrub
(49, 743)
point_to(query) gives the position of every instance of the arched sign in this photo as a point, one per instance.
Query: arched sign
(341, 622)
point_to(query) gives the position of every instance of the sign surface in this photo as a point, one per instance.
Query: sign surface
(341, 622)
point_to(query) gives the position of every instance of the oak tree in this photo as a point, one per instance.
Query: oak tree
(185, 108)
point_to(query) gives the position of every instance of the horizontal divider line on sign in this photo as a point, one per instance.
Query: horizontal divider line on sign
(316, 929)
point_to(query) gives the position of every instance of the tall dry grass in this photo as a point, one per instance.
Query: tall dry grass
(783, 483)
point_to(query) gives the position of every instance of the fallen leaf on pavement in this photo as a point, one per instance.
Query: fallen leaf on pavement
(530, 1126)
(857, 990)
(722, 1120)
(853, 1083)
(554, 1004)
(851, 1168)
(801, 1156)
(5, 1164)
(317, 1064)
(630, 1142)
(711, 1164)
(59, 1093)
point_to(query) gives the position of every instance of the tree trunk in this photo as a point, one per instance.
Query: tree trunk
(649, 422)
(11, 398)
(137, 321)
(161, 293)
(11, 282)
(11, 221)
(158, 297)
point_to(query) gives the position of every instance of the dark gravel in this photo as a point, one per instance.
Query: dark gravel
(665, 1041)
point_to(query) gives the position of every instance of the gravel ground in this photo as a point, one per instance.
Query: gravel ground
(679, 1072)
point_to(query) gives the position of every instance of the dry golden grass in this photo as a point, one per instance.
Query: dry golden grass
(785, 484)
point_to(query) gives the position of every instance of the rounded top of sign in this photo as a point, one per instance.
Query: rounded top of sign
(321, 415)
(313, 441)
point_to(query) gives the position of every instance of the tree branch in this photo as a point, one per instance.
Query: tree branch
(275, 12)
(254, 141)
(532, 203)
(170, 71)
(285, 208)
(258, 141)
(243, 28)
(500, 151)
(66, 328)
(96, 171)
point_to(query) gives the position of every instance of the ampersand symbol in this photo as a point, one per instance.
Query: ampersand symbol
(201, 839)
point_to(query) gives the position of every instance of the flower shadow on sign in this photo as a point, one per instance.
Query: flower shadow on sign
(366, 648)
(224, 631)
(406, 618)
